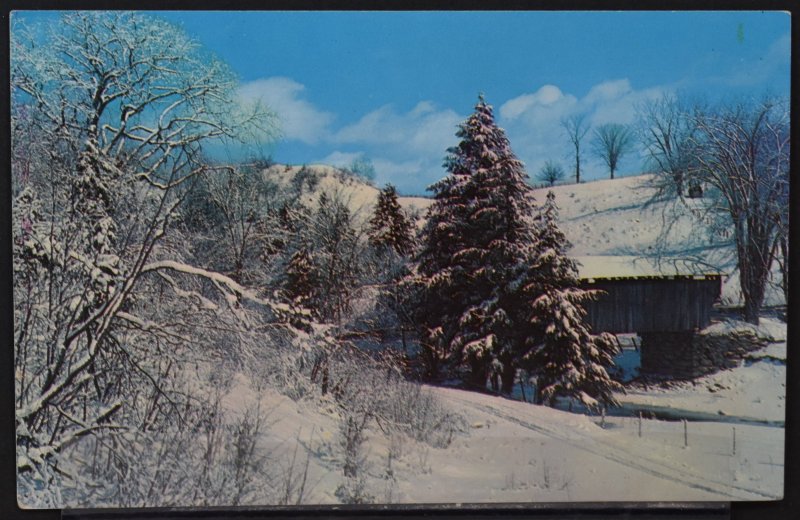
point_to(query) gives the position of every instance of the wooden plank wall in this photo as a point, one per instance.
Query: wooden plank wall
(653, 304)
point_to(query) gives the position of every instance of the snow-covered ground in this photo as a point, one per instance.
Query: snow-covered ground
(732, 447)
(755, 391)
(511, 451)
(522, 452)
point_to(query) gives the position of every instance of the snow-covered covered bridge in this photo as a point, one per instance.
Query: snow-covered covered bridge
(665, 303)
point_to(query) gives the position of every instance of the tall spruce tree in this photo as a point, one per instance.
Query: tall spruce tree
(389, 226)
(568, 359)
(477, 238)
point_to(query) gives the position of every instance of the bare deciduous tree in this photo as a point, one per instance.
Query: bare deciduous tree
(247, 206)
(119, 105)
(742, 152)
(551, 173)
(576, 128)
(363, 167)
(611, 142)
(666, 129)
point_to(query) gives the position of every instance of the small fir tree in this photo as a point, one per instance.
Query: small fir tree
(337, 247)
(389, 226)
(301, 284)
(568, 359)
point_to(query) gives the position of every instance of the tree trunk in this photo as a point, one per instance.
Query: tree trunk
(478, 373)
(784, 247)
(430, 361)
(508, 375)
(678, 177)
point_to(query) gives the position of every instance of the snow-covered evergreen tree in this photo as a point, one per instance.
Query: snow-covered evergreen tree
(474, 247)
(336, 248)
(568, 359)
(496, 289)
(389, 226)
(301, 284)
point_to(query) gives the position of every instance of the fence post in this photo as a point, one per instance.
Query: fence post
(734, 440)
(685, 434)
(640, 423)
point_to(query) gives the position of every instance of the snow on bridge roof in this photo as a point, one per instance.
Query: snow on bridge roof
(633, 267)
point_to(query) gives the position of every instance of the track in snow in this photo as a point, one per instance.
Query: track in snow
(599, 447)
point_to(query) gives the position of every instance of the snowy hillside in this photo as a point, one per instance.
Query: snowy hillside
(512, 451)
(359, 195)
(600, 218)
(604, 217)
(613, 218)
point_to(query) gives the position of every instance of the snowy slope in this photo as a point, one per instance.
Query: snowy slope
(606, 217)
(517, 452)
(600, 218)
(359, 195)
(755, 391)
(584, 462)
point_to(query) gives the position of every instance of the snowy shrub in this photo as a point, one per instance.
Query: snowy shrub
(352, 436)
(354, 491)
(206, 457)
(355, 416)
(413, 409)
(305, 180)
(293, 480)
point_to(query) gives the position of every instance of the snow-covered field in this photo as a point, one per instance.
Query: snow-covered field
(732, 447)
(511, 451)
(522, 452)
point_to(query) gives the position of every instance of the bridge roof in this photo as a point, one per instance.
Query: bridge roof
(635, 267)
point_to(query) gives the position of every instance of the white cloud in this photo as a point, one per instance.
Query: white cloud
(422, 130)
(340, 159)
(607, 90)
(406, 148)
(300, 119)
(546, 96)
(533, 121)
(615, 102)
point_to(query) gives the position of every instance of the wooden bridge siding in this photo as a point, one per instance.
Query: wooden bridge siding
(652, 305)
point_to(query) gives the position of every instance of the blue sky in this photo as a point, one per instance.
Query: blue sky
(393, 86)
